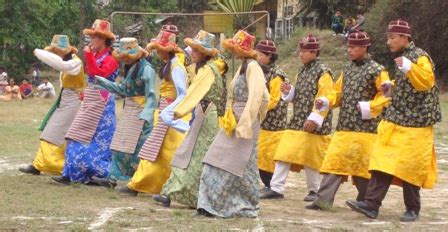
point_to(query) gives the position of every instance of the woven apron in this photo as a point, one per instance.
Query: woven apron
(88, 116)
(129, 128)
(183, 154)
(151, 147)
(232, 154)
(61, 118)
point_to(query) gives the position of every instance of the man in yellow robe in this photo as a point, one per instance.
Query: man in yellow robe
(358, 94)
(303, 144)
(404, 151)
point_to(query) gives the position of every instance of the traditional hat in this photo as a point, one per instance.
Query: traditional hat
(309, 43)
(170, 28)
(204, 42)
(61, 44)
(267, 46)
(165, 41)
(359, 38)
(129, 50)
(100, 28)
(242, 44)
(399, 26)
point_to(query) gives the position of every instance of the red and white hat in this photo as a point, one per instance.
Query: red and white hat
(399, 26)
(267, 46)
(359, 38)
(170, 28)
(309, 43)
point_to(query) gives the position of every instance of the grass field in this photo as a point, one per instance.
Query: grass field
(37, 203)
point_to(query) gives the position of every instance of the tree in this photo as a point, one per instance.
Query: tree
(232, 6)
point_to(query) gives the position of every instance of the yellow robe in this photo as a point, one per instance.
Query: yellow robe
(301, 148)
(408, 153)
(268, 140)
(50, 158)
(349, 152)
(151, 176)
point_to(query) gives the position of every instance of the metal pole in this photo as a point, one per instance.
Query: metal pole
(266, 14)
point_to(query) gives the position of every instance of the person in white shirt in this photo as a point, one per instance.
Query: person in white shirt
(46, 89)
(3, 80)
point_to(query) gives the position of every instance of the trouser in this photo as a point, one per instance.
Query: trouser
(281, 173)
(266, 178)
(330, 185)
(379, 185)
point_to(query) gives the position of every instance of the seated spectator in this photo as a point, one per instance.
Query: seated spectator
(348, 24)
(26, 89)
(46, 89)
(3, 80)
(360, 21)
(337, 23)
(12, 92)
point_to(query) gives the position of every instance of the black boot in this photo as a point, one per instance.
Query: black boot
(362, 207)
(271, 194)
(30, 169)
(105, 182)
(128, 191)
(162, 199)
(61, 180)
(409, 216)
(313, 206)
(312, 196)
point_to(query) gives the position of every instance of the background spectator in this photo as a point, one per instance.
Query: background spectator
(46, 89)
(3, 80)
(12, 92)
(26, 89)
(348, 24)
(36, 76)
(337, 22)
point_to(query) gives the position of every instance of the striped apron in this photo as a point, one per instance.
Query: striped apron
(129, 128)
(152, 145)
(88, 116)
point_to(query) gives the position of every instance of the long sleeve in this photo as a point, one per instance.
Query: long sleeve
(149, 77)
(275, 93)
(110, 86)
(108, 66)
(256, 85)
(72, 67)
(197, 90)
(373, 108)
(325, 88)
(180, 82)
(420, 74)
(333, 98)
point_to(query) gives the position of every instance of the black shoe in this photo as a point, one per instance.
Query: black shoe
(61, 180)
(128, 191)
(264, 190)
(409, 216)
(105, 182)
(362, 207)
(205, 213)
(271, 194)
(162, 199)
(313, 206)
(312, 196)
(30, 169)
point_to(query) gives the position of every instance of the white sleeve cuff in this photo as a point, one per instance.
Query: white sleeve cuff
(325, 104)
(290, 96)
(406, 65)
(365, 110)
(316, 118)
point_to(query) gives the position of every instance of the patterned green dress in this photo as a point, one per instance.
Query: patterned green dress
(183, 184)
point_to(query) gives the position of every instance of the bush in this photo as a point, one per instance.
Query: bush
(428, 20)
